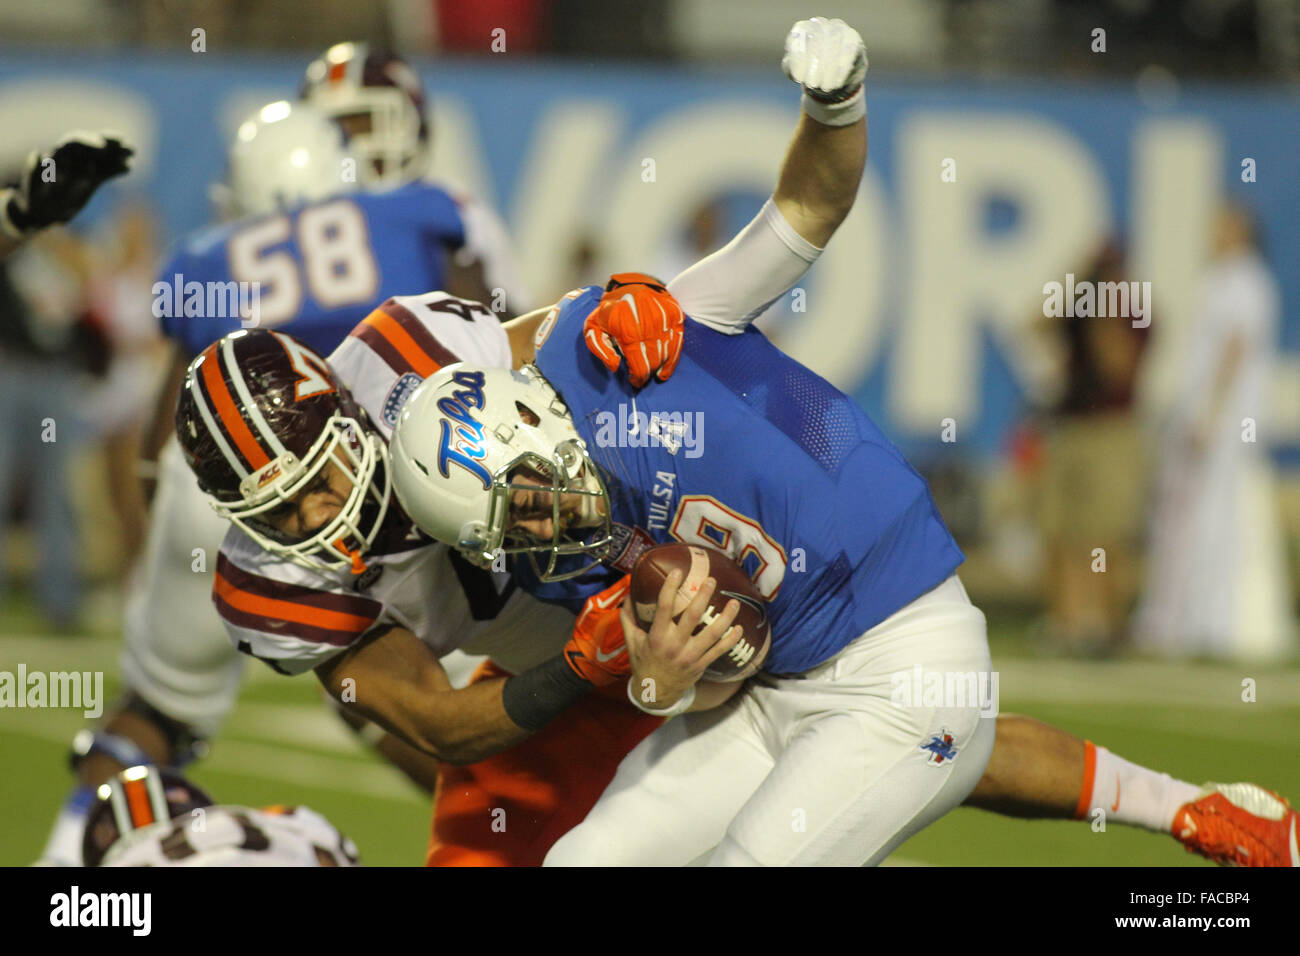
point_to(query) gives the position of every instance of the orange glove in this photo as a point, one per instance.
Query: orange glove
(639, 318)
(597, 651)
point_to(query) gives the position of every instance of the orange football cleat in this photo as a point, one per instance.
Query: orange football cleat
(1239, 824)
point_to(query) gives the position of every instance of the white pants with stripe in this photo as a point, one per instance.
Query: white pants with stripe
(826, 768)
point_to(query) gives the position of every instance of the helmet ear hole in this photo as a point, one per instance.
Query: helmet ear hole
(527, 415)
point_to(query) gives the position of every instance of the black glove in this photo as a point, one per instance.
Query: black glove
(55, 187)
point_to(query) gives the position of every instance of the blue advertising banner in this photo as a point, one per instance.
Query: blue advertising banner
(924, 305)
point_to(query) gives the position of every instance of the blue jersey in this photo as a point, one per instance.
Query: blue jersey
(322, 266)
(746, 450)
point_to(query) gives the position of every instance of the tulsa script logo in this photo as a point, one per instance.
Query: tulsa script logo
(462, 433)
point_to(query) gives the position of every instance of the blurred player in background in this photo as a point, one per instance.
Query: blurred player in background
(1094, 482)
(323, 236)
(145, 816)
(1216, 572)
(43, 334)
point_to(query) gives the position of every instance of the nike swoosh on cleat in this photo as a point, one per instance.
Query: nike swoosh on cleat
(611, 655)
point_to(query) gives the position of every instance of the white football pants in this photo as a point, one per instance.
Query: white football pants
(830, 767)
(177, 655)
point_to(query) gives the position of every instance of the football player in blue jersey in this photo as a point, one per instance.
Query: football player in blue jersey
(817, 759)
(327, 214)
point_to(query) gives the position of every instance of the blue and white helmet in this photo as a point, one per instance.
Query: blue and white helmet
(458, 445)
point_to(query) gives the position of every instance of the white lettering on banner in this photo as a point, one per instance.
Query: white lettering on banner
(962, 277)
(924, 261)
(1177, 168)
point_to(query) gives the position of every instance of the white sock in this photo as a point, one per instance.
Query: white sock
(1131, 794)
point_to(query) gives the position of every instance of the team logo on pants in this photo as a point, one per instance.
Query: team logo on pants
(940, 747)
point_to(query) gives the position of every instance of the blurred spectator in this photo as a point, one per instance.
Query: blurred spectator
(1216, 582)
(120, 296)
(584, 260)
(704, 233)
(1094, 475)
(44, 344)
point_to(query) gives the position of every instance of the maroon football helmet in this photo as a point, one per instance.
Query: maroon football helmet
(259, 416)
(136, 798)
(378, 101)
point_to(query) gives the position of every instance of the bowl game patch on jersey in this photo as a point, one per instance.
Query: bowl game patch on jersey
(397, 396)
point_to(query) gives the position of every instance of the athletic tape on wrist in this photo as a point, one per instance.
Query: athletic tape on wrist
(532, 699)
(843, 113)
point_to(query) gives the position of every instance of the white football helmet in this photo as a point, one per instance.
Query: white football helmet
(459, 443)
(284, 154)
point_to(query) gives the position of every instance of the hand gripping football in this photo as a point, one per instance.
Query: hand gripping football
(697, 564)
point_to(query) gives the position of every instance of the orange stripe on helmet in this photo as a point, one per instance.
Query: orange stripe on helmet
(137, 802)
(400, 339)
(289, 610)
(228, 412)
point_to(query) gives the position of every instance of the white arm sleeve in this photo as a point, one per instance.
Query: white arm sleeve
(730, 288)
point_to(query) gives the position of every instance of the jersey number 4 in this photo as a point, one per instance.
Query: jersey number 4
(338, 267)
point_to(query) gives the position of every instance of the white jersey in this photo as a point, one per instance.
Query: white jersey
(236, 836)
(295, 618)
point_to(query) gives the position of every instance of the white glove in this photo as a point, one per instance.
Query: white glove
(828, 59)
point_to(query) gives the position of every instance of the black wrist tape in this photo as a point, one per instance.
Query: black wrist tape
(533, 698)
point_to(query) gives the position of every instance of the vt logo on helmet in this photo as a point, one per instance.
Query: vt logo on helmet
(263, 423)
(488, 461)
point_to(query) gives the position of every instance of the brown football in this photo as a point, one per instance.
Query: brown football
(696, 564)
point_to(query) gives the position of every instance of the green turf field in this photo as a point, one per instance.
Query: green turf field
(283, 746)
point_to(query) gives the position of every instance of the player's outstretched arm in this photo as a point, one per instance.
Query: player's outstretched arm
(54, 186)
(818, 183)
(824, 162)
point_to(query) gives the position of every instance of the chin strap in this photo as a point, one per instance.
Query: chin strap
(358, 565)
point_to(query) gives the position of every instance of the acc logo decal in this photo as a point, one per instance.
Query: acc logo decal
(462, 443)
(397, 396)
(269, 474)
